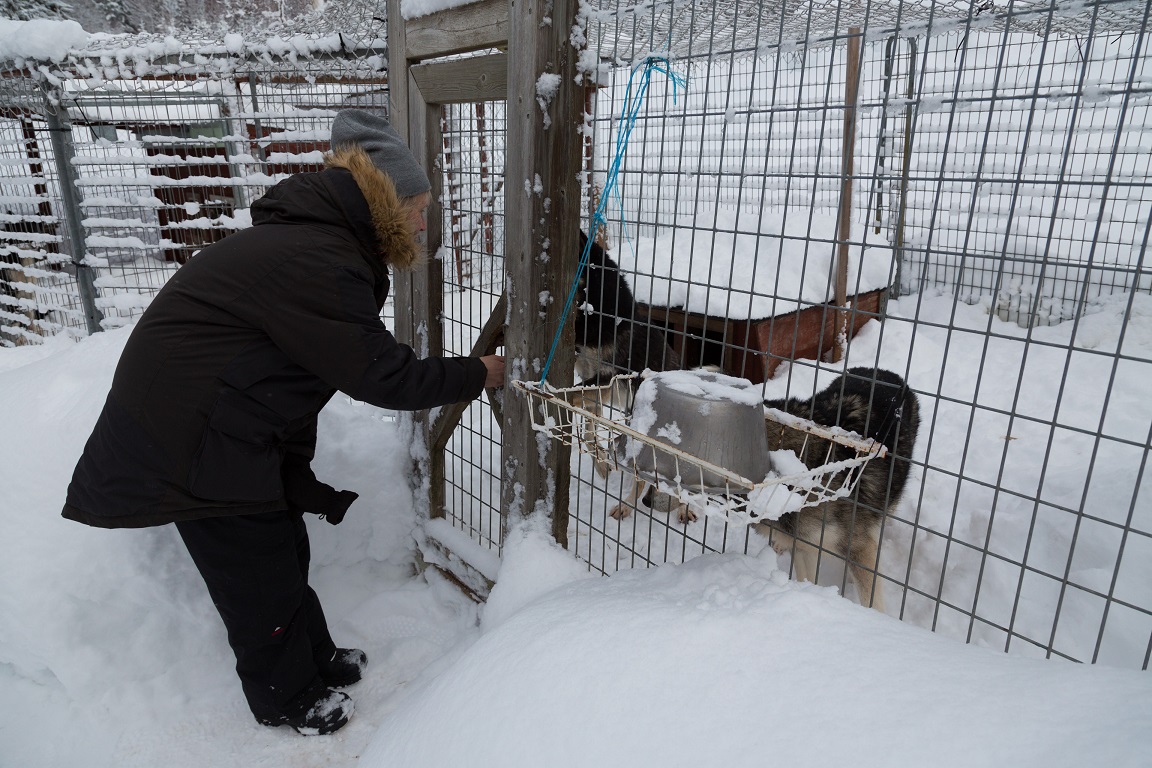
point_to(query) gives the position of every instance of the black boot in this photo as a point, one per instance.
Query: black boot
(317, 711)
(344, 668)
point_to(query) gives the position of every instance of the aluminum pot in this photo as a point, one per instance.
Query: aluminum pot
(707, 415)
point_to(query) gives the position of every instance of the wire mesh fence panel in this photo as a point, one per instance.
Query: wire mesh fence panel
(188, 167)
(472, 254)
(958, 194)
(474, 195)
(167, 146)
(976, 182)
(38, 292)
(1026, 169)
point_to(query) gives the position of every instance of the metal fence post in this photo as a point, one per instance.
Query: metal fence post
(60, 133)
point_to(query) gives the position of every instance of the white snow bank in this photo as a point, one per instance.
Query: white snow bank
(111, 653)
(40, 39)
(532, 565)
(412, 9)
(723, 661)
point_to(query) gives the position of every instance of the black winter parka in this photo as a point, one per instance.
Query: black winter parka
(213, 406)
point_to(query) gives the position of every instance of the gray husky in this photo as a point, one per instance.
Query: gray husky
(873, 403)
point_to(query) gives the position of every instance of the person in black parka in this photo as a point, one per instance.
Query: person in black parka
(211, 419)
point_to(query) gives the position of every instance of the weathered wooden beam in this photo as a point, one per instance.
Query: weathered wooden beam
(427, 280)
(542, 206)
(425, 141)
(467, 578)
(418, 293)
(844, 234)
(397, 69)
(402, 286)
(472, 27)
(462, 81)
(491, 336)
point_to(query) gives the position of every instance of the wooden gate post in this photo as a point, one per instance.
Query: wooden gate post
(844, 234)
(542, 214)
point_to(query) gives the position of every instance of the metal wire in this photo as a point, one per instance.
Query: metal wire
(1001, 219)
(473, 164)
(1003, 162)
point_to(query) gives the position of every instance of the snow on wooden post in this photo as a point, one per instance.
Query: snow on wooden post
(419, 293)
(851, 89)
(542, 203)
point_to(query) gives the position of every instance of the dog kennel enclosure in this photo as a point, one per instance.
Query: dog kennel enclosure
(957, 192)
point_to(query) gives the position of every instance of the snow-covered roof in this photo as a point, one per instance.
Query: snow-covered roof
(40, 39)
(748, 265)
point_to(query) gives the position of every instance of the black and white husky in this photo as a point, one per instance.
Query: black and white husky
(611, 340)
(873, 403)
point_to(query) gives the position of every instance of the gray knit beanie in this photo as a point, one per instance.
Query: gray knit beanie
(384, 146)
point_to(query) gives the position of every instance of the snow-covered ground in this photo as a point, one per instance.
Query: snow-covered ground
(111, 654)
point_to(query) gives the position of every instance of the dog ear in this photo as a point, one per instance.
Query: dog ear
(597, 257)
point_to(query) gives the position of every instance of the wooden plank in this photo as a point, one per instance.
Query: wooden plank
(491, 336)
(397, 65)
(851, 95)
(461, 81)
(402, 286)
(456, 569)
(425, 138)
(542, 203)
(811, 333)
(679, 317)
(753, 349)
(466, 28)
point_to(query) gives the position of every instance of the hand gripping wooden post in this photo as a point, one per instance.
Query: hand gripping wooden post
(538, 77)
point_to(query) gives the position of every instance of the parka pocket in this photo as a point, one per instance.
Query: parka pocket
(239, 456)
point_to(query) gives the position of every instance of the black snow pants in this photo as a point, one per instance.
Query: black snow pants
(256, 569)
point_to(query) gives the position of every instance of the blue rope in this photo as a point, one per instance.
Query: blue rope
(628, 114)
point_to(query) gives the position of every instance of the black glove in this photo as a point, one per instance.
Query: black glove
(304, 493)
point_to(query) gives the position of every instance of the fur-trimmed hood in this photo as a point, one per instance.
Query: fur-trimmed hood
(398, 246)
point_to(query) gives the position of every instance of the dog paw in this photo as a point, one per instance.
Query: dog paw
(686, 516)
(620, 512)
